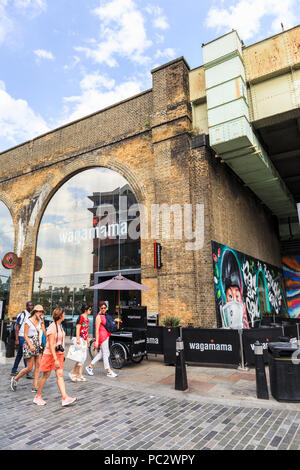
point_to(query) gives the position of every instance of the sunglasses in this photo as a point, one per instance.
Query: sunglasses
(103, 308)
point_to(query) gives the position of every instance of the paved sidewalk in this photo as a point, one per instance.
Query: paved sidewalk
(140, 410)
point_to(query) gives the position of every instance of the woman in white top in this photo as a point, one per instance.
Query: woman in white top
(32, 350)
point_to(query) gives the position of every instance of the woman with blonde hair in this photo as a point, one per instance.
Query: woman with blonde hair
(53, 359)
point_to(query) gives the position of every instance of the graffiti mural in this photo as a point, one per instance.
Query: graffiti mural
(246, 289)
(291, 271)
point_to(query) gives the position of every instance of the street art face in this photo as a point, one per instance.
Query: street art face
(233, 294)
(245, 288)
(291, 271)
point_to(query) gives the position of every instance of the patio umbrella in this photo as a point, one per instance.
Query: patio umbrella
(119, 283)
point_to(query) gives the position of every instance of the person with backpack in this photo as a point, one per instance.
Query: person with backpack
(103, 324)
(82, 340)
(19, 338)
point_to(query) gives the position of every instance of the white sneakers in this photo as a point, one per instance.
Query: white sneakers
(68, 401)
(39, 401)
(111, 374)
(13, 384)
(89, 370)
(65, 401)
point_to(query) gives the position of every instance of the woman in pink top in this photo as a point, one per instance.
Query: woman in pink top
(53, 359)
(101, 343)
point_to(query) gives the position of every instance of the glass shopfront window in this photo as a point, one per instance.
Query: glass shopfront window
(6, 245)
(84, 231)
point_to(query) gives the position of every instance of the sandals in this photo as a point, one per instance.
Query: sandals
(72, 377)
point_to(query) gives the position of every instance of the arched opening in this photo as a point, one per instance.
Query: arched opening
(262, 295)
(6, 246)
(86, 236)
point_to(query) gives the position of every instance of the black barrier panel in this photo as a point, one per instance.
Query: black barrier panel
(291, 321)
(211, 346)
(264, 336)
(290, 331)
(170, 336)
(155, 340)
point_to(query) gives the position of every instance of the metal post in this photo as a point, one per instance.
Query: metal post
(180, 371)
(297, 325)
(1, 335)
(242, 365)
(261, 380)
(73, 302)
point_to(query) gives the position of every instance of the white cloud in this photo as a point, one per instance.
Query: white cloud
(94, 80)
(43, 54)
(161, 23)
(6, 24)
(246, 16)
(160, 20)
(167, 53)
(73, 64)
(122, 33)
(18, 122)
(98, 92)
(31, 8)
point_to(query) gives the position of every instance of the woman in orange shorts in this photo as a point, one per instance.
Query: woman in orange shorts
(53, 359)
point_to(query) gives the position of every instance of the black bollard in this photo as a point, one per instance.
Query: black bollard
(261, 380)
(10, 343)
(180, 372)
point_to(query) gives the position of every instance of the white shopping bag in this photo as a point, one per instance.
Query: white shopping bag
(76, 353)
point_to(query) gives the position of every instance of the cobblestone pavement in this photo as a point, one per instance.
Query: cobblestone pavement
(112, 417)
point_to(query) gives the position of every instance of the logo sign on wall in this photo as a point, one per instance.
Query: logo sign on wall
(157, 255)
(11, 261)
(38, 264)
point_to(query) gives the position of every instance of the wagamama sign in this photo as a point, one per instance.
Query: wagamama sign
(162, 221)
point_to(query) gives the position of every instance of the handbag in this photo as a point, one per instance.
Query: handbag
(75, 353)
(37, 349)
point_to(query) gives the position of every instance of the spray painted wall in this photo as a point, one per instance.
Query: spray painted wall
(291, 271)
(246, 289)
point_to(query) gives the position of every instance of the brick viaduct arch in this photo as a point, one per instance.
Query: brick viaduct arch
(145, 139)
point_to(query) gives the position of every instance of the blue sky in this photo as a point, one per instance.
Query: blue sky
(64, 59)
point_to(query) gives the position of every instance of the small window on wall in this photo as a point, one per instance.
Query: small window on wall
(6, 245)
(84, 230)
